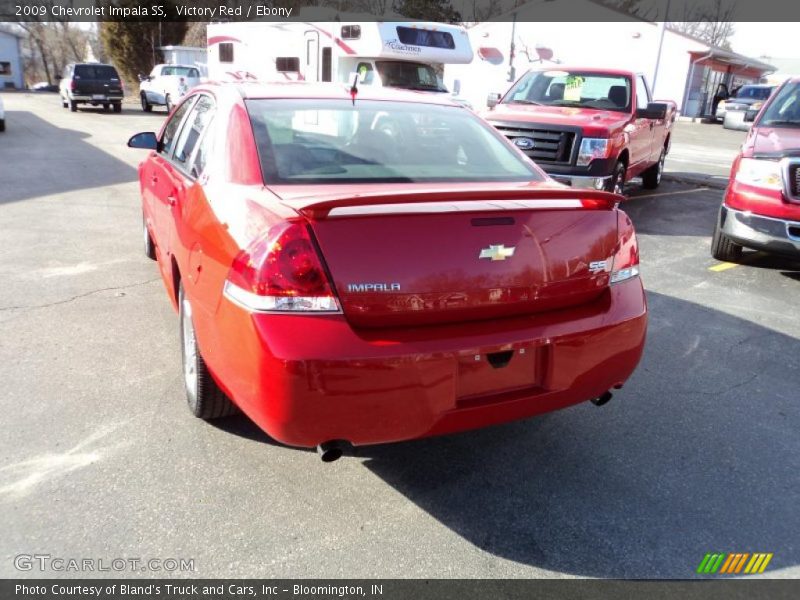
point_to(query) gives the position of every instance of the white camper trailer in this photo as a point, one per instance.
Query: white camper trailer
(407, 55)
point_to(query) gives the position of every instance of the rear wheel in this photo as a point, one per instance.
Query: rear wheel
(146, 106)
(64, 103)
(106, 107)
(617, 182)
(203, 395)
(724, 248)
(118, 107)
(651, 178)
(2, 124)
(73, 106)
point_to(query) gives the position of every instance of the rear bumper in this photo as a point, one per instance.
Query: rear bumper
(310, 379)
(770, 234)
(91, 98)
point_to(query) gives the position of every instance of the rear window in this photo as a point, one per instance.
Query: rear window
(181, 71)
(101, 72)
(336, 141)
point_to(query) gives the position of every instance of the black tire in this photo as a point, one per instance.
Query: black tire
(2, 125)
(651, 178)
(106, 107)
(73, 106)
(168, 103)
(149, 246)
(64, 103)
(203, 395)
(146, 106)
(616, 184)
(118, 107)
(724, 248)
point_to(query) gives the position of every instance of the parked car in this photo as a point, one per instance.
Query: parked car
(91, 83)
(2, 116)
(732, 110)
(358, 270)
(166, 85)
(44, 87)
(761, 208)
(589, 128)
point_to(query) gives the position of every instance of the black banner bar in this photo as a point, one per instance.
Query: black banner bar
(366, 10)
(393, 589)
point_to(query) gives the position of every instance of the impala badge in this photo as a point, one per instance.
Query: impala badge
(497, 252)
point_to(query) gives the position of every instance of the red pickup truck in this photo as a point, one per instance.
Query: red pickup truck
(590, 128)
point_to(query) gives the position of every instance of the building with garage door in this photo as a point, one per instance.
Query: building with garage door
(11, 75)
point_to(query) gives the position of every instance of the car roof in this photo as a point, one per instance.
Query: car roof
(305, 90)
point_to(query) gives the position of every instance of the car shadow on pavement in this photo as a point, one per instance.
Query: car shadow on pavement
(40, 159)
(681, 211)
(698, 453)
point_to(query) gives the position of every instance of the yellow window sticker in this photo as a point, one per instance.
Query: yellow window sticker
(573, 88)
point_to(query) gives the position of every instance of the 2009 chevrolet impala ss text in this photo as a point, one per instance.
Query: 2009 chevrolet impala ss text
(382, 267)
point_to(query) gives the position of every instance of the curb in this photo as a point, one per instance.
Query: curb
(715, 182)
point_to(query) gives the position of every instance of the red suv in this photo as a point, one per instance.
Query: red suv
(761, 209)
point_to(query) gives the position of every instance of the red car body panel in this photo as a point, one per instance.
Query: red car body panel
(383, 373)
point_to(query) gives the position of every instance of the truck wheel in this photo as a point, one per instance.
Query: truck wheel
(723, 248)
(117, 107)
(205, 399)
(63, 103)
(616, 184)
(146, 106)
(2, 125)
(149, 246)
(652, 176)
(73, 106)
(106, 107)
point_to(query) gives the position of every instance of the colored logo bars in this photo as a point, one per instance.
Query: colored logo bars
(733, 563)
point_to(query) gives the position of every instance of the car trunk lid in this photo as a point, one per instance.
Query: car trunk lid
(437, 256)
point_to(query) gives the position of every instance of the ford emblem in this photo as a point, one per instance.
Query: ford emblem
(524, 143)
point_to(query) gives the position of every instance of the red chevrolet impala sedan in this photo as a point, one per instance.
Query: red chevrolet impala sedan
(357, 268)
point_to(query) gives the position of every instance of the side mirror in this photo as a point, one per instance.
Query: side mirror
(750, 116)
(654, 110)
(492, 100)
(146, 141)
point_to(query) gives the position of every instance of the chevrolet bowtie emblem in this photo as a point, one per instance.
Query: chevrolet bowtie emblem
(497, 252)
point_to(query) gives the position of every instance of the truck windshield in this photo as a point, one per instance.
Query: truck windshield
(409, 75)
(97, 72)
(335, 141)
(784, 110)
(572, 88)
(754, 93)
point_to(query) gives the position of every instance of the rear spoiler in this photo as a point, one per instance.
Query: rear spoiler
(455, 201)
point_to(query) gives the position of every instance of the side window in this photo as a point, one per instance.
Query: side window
(641, 93)
(204, 147)
(226, 52)
(173, 126)
(287, 64)
(196, 123)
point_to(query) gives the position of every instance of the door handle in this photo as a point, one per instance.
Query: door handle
(154, 179)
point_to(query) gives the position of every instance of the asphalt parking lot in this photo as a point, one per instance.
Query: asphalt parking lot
(100, 458)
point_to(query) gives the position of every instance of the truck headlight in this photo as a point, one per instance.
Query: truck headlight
(760, 173)
(592, 148)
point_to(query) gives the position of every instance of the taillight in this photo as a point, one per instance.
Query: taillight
(281, 272)
(626, 258)
(73, 85)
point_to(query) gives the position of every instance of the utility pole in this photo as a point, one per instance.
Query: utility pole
(512, 74)
(662, 29)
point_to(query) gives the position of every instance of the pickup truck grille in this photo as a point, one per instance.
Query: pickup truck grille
(793, 180)
(549, 145)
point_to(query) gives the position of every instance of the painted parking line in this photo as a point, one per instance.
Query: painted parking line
(700, 189)
(723, 266)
